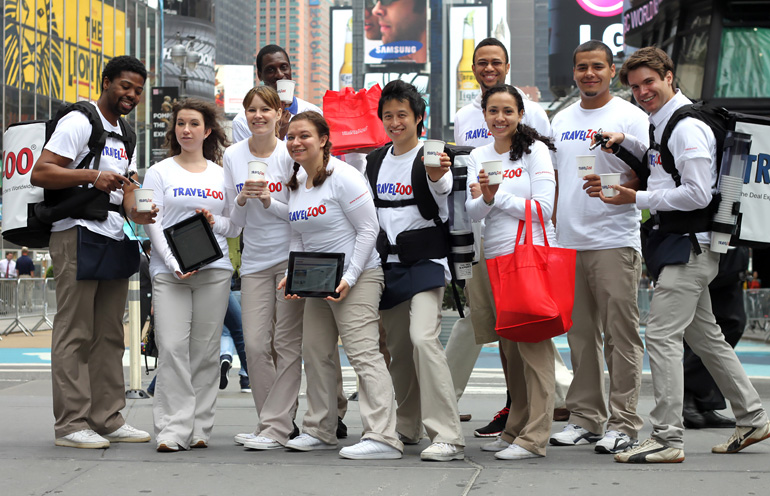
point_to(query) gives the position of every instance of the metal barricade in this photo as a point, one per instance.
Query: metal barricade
(9, 306)
(24, 299)
(757, 305)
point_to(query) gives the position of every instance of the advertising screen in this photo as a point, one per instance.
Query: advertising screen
(395, 32)
(467, 26)
(231, 84)
(341, 60)
(572, 22)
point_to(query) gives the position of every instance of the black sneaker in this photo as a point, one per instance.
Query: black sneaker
(245, 384)
(495, 427)
(295, 431)
(342, 429)
(225, 364)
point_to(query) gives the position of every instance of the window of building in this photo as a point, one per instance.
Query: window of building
(744, 63)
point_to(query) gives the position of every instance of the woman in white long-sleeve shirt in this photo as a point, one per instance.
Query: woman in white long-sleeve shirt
(271, 324)
(190, 307)
(331, 210)
(527, 175)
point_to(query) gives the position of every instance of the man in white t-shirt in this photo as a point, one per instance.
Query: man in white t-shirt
(490, 67)
(272, 64)
(683, 176)
(87, 341)
(609, 261)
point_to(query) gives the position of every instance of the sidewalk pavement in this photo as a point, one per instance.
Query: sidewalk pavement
(30, 464)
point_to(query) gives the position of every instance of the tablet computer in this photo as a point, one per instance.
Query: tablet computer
(193, 243)
(314, 274)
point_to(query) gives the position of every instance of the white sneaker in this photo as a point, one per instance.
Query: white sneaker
(743, 437)
(515, 452)
(244, 436)
(369, 449)
(443, 452)
(574, 435)
(83, 439)
(262, 443)
(128, 434)
(168, 446)
(497, 445)
(306, 442)
(615, 442)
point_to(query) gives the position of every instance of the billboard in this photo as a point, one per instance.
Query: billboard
(473, 23)
(395, 32)
(341, 60)
(231, 84)
(162, 101)
(65, 59)
(572, 22)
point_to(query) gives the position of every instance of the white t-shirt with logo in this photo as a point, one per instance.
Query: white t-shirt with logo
(394, 183)
(585, 223)
(266, 232)
(177, 193)
(329, 218)
(471, 129)
(530, 177)
(70, 140)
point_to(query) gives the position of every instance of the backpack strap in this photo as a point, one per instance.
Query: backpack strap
(666, 157)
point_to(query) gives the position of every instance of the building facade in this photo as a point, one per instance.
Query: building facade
(54, 52)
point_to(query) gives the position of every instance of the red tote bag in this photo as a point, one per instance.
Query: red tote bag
(533, 287)
(352, 118)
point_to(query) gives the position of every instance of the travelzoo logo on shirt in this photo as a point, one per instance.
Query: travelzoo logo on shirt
(116, 153)
(394, 189)
(271, 187)
(199, 192)
(305, 214)
(577, 135)
(512, 173)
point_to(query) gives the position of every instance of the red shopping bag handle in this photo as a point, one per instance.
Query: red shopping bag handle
(528, 217)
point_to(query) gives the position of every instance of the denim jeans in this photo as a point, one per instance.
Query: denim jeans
(232, 333)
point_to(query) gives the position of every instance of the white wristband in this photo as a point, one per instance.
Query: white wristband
(97, 179)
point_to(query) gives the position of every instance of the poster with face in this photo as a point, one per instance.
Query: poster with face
(395, 32)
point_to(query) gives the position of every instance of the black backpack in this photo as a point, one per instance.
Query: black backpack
(79, 202)
(438, 239)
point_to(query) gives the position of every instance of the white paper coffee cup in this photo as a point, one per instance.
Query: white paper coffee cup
(285, 88)
(257, 170)
(585, 165)
(143, 199)
(720, 241)
(494, 169)
(432, 150)
(608, 180)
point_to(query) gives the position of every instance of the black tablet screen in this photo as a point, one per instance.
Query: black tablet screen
(315, 274)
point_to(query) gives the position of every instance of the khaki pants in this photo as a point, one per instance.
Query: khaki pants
(272, 324)
(354, 320)
(531, 386)
(483, 318)
(189, 314)
(86, 345)
(606, 283)
(424, 391)
(681, 309)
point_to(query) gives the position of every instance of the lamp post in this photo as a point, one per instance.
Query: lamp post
(185, 58)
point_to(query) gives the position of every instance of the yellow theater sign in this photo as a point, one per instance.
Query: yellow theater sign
(65, 59)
